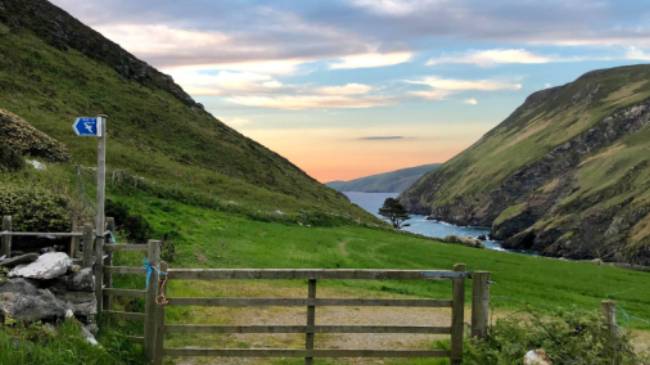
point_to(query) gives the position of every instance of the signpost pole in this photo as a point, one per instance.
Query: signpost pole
(100, 218)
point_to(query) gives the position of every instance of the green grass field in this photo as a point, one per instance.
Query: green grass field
(207, 238)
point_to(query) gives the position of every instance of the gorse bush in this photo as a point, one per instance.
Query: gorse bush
(35, 209)
(567, 336)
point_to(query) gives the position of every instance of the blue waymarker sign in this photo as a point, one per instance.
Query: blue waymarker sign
(88, 126)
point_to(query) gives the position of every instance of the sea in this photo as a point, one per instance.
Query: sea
(419, 224)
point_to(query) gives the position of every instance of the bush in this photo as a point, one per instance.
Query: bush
(134, 226)
(10, 160)
(568, 337)
(34, 209)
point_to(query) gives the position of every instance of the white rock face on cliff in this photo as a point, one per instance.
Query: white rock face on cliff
(48, 266)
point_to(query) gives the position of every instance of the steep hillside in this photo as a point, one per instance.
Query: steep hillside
(53, 68)
(388, 182)
(567, 174)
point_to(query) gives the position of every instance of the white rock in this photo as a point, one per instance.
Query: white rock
(89, 336)
(48, 266)
(37, 165)
(536, 357)
(69, 313)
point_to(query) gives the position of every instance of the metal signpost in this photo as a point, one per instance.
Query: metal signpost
(96, 127)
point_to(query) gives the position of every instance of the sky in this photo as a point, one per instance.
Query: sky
(348, 88)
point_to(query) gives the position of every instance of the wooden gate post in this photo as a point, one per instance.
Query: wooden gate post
(88, 246)
(108, 279)
(159, 316)
(311, 321)
(480, 303)
(153, 256)
(6, 239)
(457, 316)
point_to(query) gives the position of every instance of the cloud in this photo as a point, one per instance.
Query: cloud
(392, 7)
(470, 101)
(347, 89)
(634, 53)
(491, 57)
(312, 101)
(381, 138)
(369, 60)
(441, 88)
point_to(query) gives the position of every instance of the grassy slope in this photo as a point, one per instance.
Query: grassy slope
(533, 130)
(178, 150)
(214, 239)
(388, 182)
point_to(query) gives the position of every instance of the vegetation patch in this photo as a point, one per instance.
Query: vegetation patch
(566, 337)
(35, 209)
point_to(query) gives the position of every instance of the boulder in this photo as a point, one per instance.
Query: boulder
(465, 241)
(82, 304)
(22, 300)
(48, 266)
(536, 357)
(17, 260)
(82, 280)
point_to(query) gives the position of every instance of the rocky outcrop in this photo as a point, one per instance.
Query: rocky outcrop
(49, 289)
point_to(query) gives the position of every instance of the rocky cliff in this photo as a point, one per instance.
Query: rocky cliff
(567, 174)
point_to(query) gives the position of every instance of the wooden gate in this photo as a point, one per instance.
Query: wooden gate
(457, 276)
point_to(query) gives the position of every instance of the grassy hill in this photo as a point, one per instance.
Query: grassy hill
(565, 174)
(53, 68)
(387, 182)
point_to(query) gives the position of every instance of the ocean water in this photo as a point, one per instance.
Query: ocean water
(419, 224)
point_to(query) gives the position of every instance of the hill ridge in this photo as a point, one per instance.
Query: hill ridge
(563, 174)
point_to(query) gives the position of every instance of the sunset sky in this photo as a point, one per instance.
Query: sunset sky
(347, 88)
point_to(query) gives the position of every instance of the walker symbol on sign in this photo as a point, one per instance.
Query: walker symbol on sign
(88, 126)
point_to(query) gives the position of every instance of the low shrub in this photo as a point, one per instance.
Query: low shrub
(35, 209)
(567, 336)
(134, 226)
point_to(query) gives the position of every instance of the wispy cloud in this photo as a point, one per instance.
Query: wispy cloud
(347, 89)
(634, 53)
(310, 101)
(491, 57)
(440, 88)
(470, 101)
(370, 60)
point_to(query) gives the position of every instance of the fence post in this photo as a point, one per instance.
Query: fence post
(88, 246)
(457, 316)
(480, 303)
(99, 270)
(159, 316)
(6, 239)
(153, 256)
(311, 322)
(609, 313)
(74, 241)
(108, 279)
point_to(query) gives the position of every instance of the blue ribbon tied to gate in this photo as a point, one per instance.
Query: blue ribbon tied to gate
(150, 269)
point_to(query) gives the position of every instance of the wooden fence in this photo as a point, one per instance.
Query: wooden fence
(155, 327)
(100, 254)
